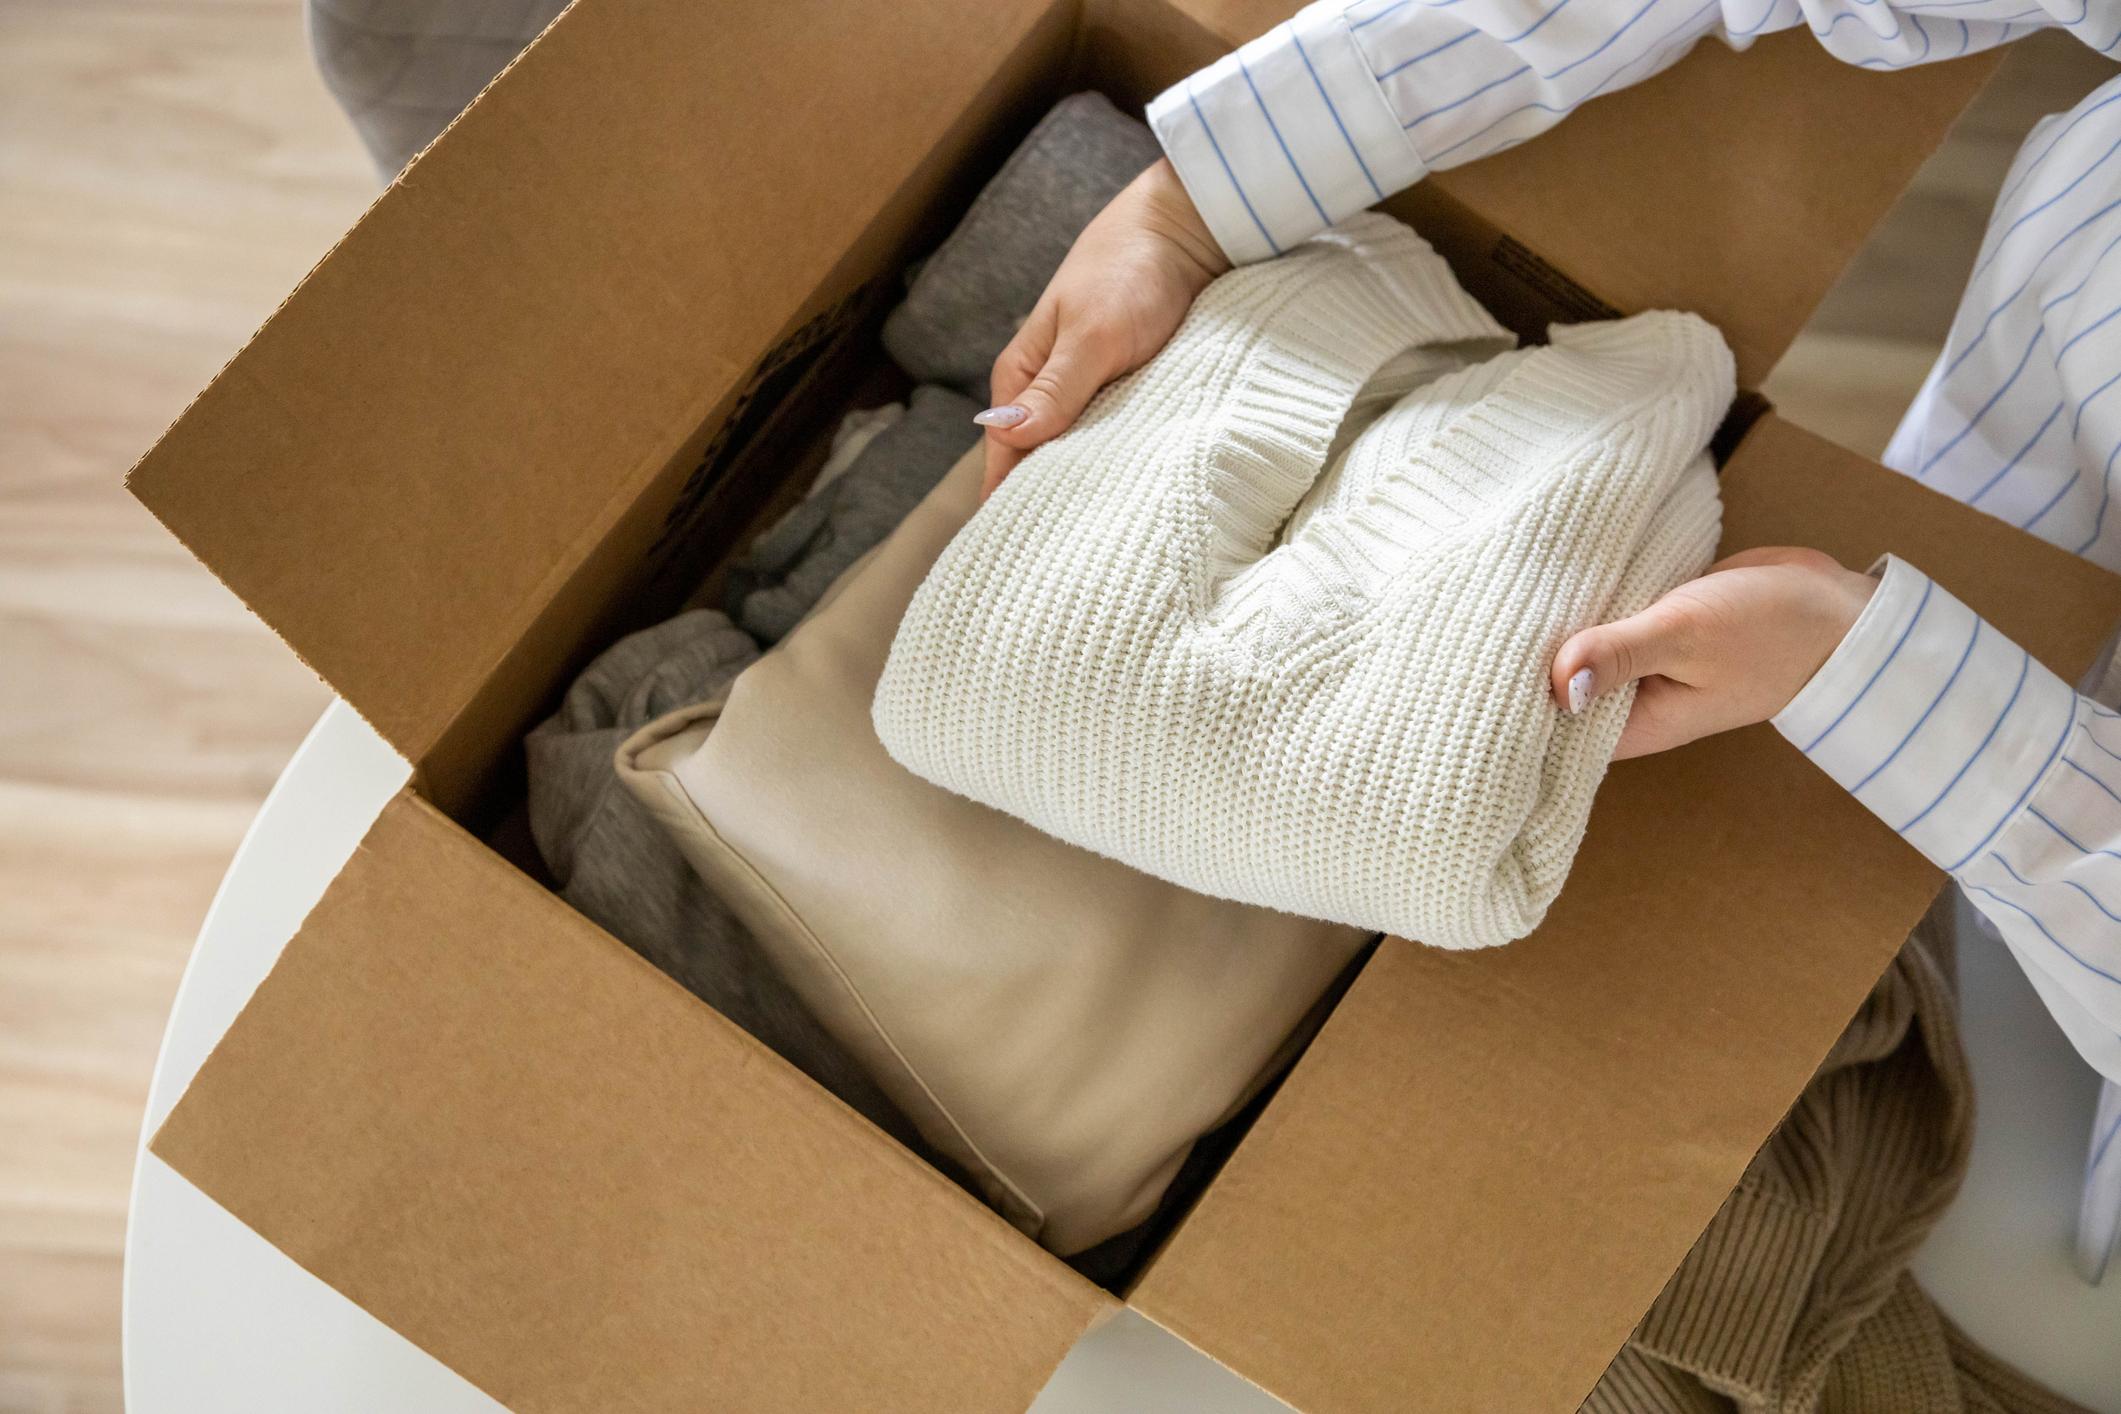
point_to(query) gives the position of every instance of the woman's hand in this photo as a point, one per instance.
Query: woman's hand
(1725, 650)
(1115, 301)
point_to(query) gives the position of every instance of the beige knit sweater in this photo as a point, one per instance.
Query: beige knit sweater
(1797, 1299)
(1168, 639)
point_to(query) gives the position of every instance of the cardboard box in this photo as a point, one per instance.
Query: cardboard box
(551, 377)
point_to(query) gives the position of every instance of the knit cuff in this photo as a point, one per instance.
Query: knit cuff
(1655, 386)
(1286, 136)
(1336, 321)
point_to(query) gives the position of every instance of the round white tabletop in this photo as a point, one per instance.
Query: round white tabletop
(217, 1321)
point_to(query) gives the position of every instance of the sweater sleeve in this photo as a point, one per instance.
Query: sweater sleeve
(1352, 100)
(1995, 769)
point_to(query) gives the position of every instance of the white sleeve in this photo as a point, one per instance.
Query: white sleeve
(1998, 771)
(1354, 99)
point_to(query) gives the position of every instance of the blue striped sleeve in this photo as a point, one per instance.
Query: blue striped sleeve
(1353, 99)
(1943, 728)
(1995, 769)
(1286, 136)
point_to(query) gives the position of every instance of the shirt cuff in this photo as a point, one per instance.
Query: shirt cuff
(1284, 137)
(1939, 724)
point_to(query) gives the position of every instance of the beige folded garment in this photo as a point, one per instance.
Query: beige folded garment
(1061, 1025)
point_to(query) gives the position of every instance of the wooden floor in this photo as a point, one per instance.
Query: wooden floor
(168, 168)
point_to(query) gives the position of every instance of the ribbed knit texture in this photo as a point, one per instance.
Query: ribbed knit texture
(1797, 1299)
(1169, 640)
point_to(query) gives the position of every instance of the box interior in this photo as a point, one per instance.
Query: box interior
(421, 528)
(757, 454)
(1534, 233)
(570, 494)
(1489, 1127)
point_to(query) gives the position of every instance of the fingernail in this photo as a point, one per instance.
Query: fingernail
(1007, 415)
(1579, 691)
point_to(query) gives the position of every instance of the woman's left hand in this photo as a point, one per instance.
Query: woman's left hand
(1725, 650)
(1116, 300)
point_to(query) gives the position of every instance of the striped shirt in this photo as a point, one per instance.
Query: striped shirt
(1984, 760)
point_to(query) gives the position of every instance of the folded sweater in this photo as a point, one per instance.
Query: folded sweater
(1797, 1299)
(1349, 721)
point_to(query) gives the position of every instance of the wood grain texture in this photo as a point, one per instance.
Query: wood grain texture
(168, 169)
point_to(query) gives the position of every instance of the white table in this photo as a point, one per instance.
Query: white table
(217, 1321)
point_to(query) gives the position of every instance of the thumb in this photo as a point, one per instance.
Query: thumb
(1597, 660)
(1042, 390)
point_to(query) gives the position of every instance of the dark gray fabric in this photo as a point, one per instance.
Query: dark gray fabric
(402, 69)
(618, 868)
(787, 569)
(967, 299)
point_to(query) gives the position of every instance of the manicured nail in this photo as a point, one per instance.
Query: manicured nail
(1007, 415)
(1579, 691)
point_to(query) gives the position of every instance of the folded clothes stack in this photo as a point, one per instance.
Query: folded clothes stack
(964, 302)
(851, 510)
(621, 871)
(1015, 1023)
(1191, 636)
(1206, 669)
(1062, 1027)
(1056, 1016)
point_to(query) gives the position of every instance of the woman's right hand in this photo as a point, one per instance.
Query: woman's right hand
(1115, 301)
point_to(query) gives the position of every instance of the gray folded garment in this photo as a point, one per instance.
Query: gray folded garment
(787, 569)
(967, 299)
(403, 69)
(618, 868)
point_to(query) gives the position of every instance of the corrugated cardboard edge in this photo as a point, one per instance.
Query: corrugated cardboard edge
(1484, 1169)
(402, 527)
(1725, 185)
(227, 363)
(509, 1138)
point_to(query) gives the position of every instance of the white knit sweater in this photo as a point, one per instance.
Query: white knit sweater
(1169, 639)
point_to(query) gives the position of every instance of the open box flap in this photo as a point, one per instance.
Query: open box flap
(1737, 186)
(414, 454)
(520, 1146)
(1488, 1164)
